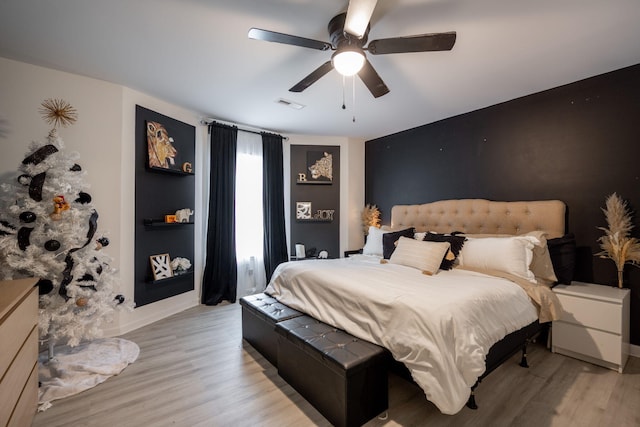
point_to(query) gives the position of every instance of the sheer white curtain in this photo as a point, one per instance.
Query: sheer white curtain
(249, 228)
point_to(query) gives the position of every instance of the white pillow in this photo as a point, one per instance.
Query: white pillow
(511, 255)
(425, 256)
(373, 246)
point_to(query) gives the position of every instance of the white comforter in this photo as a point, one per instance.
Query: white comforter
(441, 327)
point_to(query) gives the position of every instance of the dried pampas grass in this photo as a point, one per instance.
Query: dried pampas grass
(617, 243)
(370, 217)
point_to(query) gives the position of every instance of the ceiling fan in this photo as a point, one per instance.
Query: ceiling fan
(348, 33)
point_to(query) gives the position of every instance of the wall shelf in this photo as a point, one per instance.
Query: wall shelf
(169, 171)
(173, 278)
(160, 223)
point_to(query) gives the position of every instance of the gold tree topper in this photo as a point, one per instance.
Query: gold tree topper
(58, 112)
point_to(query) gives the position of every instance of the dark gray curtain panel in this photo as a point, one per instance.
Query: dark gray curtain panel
(275, 240)
(219, 282)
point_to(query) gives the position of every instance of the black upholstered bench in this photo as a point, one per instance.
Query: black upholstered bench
(260, 313)
(343, 377)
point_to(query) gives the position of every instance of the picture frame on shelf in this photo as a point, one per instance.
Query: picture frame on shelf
(161, 266)
(303, 210)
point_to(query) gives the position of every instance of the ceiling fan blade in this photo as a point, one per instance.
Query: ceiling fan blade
(313, 77)
(272, 36)
(358, 16)
(372, 80)
(419, 43)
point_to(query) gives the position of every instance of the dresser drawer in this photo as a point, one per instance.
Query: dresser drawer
(602, 315)
(27, 403)
(589, 342)
(14, 380)
(16, 328)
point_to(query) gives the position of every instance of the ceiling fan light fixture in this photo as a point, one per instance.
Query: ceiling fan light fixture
(348, 61)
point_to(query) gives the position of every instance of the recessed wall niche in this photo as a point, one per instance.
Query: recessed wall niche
(315, 198)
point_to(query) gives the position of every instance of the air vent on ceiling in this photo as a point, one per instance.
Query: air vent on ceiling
(290, 104)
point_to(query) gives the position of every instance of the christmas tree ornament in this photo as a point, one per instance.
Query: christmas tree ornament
(83, 198)
(44, 286)
(27, 216)
(35, 186)
(82, 302)
(59, 205)
(101, 243)
(52, 245)
(24, 179)
(23, 237)
(40, 155)
(75, 168)
(119, 298)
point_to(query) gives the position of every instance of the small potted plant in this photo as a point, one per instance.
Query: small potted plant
(180, 265)
(617, 243)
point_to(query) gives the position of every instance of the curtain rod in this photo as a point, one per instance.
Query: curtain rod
(211, 121)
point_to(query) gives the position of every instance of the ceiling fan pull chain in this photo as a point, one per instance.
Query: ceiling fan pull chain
(353, 92)
(344, 107)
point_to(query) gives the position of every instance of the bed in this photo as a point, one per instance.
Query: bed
(448, 327)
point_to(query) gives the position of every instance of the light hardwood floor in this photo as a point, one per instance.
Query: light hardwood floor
(195, 370)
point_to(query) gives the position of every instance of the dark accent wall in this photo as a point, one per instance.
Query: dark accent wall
(320, 234)
(158, 193)
(577, 143)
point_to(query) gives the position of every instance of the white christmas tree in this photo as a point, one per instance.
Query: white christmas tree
(49, 230)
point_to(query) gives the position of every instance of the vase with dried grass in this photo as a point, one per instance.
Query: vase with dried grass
(617, 243)
(370, 217)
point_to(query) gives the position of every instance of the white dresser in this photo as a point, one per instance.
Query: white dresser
(595, 324)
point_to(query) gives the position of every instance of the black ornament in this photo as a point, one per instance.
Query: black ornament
(27, 216)
(24, 179)
(44, 286)
(52, 245)
(103, 241)
(35, 186)
(23, 237)
(86, 278)
(83, 198)
(75, 168)
(40, 154)
(119, 298)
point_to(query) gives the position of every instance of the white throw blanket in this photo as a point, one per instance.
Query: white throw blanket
(441, 327)
(75, 369)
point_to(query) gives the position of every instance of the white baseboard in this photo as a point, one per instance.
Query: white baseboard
(634, 350)
(143, 316)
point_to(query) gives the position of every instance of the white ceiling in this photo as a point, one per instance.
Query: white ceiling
(196, 54)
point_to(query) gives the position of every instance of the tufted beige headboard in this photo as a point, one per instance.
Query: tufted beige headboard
(480, 216)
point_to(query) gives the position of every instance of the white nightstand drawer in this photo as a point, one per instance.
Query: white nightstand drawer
(591, 313)
(597, 344)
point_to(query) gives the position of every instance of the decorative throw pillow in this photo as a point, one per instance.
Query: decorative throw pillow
(389, 240)
(425, 256)
(373, 246)
(456, 243)
(563, 257)
(541, 265)
(512, 255)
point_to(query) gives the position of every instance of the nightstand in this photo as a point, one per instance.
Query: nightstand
(595, 324)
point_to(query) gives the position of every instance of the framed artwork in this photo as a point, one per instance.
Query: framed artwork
(169, 142)
(161, 266)
(319, 169)
(303, 210)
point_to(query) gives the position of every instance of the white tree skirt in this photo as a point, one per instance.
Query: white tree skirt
(75, 369)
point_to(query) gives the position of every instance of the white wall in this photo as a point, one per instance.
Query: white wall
(351, 185)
